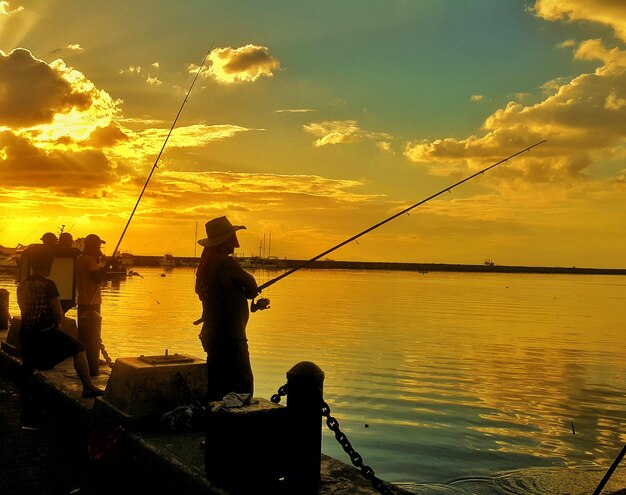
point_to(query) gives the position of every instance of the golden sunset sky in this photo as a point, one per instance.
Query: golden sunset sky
(312, 121)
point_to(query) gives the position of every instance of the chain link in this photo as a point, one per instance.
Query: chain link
(357, 460)
(282, 391)
(366, 471)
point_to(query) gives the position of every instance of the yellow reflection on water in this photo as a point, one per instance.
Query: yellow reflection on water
(497, 370)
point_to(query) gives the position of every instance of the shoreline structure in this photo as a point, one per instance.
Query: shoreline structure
(140, 260)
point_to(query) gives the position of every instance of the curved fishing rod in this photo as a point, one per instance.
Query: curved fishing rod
(406, 210)
(160, 153)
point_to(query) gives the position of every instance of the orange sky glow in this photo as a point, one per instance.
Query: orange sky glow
(309, 150)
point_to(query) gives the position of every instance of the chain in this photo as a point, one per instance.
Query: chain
(366, 471)
(282, 391)
(182, 383)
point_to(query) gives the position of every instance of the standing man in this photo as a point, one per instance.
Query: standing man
(89, 275)
(224, 287)
(88, 278)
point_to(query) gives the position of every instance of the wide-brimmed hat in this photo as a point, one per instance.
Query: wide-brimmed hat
(218, 230)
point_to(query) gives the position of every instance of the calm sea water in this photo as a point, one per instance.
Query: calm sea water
(444, 382)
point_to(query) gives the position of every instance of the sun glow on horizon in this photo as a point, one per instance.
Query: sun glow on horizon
(319, 146)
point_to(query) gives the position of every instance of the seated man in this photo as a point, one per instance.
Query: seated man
(44, 344)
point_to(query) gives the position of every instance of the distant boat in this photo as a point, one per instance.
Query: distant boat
(167, 260)
(262, 262)
(250, 263)
(269, 263)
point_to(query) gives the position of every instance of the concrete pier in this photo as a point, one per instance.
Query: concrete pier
(157, 460)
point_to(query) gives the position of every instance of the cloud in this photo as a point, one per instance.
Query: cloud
(107, 137)
(148, 142)
(5, 8)
(566, 44)
(55, 128)
(583, 120)
(72, 47)
(342, 132)
(265, 184)
(239, 65)
(595, 50)
(66, 150)
(27, 166)
(131, 69)
(153, 81)
(33, 92)
(55, 113)
(608, 12)
(477, 98)
(384, 146)
(334, 132)
(294, 110)
(139, 70)
(192, 195)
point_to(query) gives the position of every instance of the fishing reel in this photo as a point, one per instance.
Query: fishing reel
(260, 305)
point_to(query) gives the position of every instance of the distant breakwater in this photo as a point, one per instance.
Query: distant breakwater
(415, 267)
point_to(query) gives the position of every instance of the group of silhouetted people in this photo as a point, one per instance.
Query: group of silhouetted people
(44, 343)
(221, 284)
(65, 240)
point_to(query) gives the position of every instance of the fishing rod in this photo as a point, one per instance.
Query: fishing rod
(406, 210)
(156, 161)
(160, 152)
(119, 242)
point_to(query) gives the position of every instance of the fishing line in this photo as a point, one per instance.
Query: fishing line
(389, 219)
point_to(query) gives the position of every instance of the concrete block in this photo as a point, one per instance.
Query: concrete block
(246, 444)
(141, 388)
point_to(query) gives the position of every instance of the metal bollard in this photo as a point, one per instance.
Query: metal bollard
(89, 329)
(4, 309)
(305, 383)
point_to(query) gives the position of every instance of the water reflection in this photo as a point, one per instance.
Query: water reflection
(456, 375)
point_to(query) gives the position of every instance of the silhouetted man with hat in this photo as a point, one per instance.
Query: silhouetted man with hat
(224, 287)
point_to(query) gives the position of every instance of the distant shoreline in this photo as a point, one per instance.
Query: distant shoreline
(414, 267)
